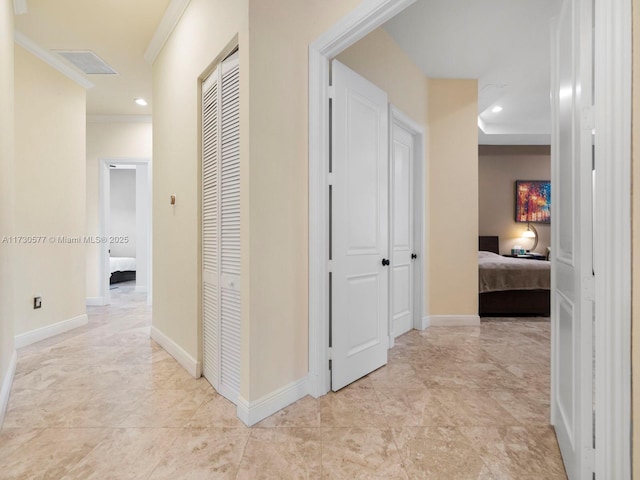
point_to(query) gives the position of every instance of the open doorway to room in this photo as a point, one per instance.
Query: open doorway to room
(125, 229)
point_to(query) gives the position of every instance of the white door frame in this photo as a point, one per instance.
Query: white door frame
(365, 18)
(613, 235)
(104, 228)
(397, 117)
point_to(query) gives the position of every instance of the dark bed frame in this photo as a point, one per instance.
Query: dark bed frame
(511, 303)
(125, 276)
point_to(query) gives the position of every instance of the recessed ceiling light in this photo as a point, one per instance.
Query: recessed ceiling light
(496, 109)
(141, 101)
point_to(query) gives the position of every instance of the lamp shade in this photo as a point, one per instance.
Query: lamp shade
(528, 234)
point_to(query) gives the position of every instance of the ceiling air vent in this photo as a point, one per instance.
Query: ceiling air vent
(87, 61)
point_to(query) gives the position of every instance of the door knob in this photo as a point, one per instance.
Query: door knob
(413, 256)
(385, 262)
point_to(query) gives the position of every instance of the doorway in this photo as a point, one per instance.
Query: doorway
(125, 226)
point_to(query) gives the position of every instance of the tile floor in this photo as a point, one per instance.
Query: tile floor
(106, 402)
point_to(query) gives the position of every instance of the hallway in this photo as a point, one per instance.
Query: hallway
(106, 402)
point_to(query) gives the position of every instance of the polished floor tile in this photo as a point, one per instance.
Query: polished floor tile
(104, 401)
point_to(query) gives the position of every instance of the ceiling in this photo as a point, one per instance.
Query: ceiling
(118, 31)
(505, 44)
(502, 43)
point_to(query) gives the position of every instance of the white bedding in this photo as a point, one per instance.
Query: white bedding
(122, 264)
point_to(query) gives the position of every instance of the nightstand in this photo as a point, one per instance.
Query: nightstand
(526, 256)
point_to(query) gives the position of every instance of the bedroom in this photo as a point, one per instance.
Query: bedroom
(499, 168)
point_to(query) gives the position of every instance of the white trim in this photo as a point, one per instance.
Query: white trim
(119, 119)
(6, 386)
(426, 322)
(365, 18)
(190, 364)
(140, 289)
(51, 59)
(43, 333)
(452, 320)
(172, 16)
(612, 237)
(20, 7)
(253, 412)
(95, 301)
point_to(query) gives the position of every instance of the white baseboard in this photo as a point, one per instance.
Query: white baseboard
(6, 386)
(95, 301)
(452, 320)
(43, 333)
(253, 412)
(190, 364)
(426, 323)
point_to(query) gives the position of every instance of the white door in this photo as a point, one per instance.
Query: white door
(402, 219)
(359, 221)
(221, 228)
(572, 280)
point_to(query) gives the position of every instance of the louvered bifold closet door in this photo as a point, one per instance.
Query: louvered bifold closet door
(230, 228)
(221, 228)
(211, 228)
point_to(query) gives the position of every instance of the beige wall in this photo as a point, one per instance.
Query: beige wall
(379, 59)
(453, 191)
(499, 168)
(635, 300)
(204, 30)
(118, 140)
(278, 180)
(50, 193)
(6, 188)
(274, 203)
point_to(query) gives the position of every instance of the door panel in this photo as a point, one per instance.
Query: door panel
(359, 316)
(402, 158)
(572, 266)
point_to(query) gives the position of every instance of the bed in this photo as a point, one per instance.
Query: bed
(123, 269)
(511, 286)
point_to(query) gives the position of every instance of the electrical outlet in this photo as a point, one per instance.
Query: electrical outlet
(37, 302)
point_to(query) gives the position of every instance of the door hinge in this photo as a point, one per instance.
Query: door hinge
(331, 91)
(330, 353)
(330, 266)
(589, 287)
(589, 459)
(588, 118)
(330, 178)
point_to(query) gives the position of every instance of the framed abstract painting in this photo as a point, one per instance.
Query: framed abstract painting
(533, 201)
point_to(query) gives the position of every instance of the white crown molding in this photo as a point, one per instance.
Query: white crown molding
(119, 118)
(171, 17)
(51, 59)
(20, 7)
(481, 125)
